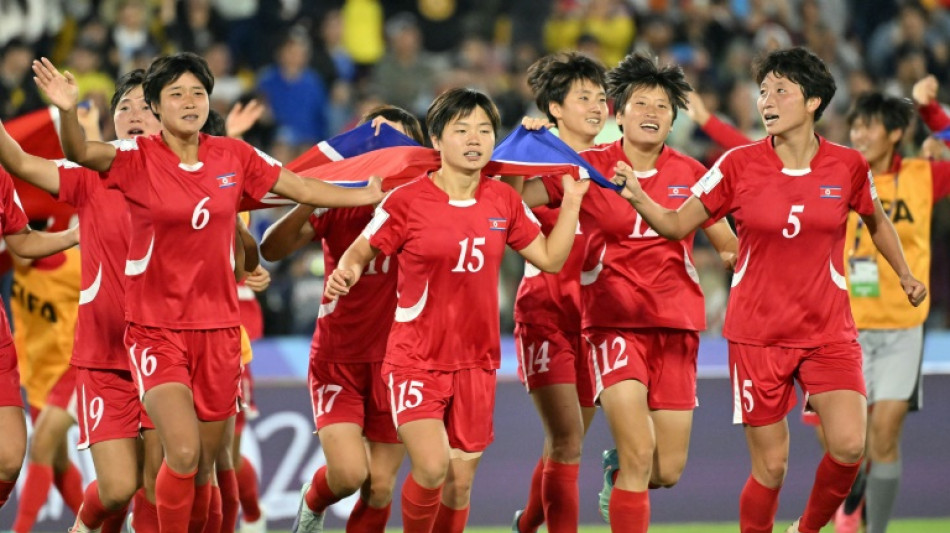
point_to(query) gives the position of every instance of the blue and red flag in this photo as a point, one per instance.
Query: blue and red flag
(830, 191)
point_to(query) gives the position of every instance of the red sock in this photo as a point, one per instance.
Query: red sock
(114, 522)
(215, 516)
(757, 507)
(833, 482)
(419, 506)
(560, 497)
(39, 479)
(319, 497)
(93, 514)
(200, 508)
(6, 488)
(174, 497)
(629, 511)
(533, 515)
(450, 520)
(144, 514)
(247, 491)
(69, 485)
(367, 519)
(230, 503)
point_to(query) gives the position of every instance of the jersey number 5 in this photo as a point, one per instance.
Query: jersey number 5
(796, 223)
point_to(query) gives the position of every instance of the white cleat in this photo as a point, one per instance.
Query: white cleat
(257, 526)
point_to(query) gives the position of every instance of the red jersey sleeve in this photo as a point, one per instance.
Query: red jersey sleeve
(387, 230)
(716, 189)
(725, 135)
(863, 193)
(319, 221)
(940, 177)
(260, 170)
(75, 183)
(14, 219)
(554, 188)
(934, 116)
(129, 163)
(524, 227)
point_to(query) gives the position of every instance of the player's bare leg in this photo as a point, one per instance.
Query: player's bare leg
(885, 425)
(427, 444)
(372, 510)
(347, 467)
(843, 416)
(457, 492)
(213, 444)
(224, 496)
(118, 476)
(628, 415)
(673, 429)
(768, 453)
(12, 448)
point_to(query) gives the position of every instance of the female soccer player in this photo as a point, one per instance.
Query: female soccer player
(448, 230)
(642, 306)
(570, 89)
(30, 244)
(349, 396)
(108, 404)
(790, 194)
(183, 337)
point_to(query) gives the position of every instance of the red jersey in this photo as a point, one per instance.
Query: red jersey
(449, 253)
(353, 329)
(104, 225)
(12, 220)
(632, 277)
(552, 299)
(792, 291)
(181, 257)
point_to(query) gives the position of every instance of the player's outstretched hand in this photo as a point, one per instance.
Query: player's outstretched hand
(925, 90)
(535, 123)
(574, 188)
(375, 186)
(61, 89)
(624, 176)
(338, 284)
(696, 109)
(916, 291)
(258, 279)
(728, 260)
(242, 117)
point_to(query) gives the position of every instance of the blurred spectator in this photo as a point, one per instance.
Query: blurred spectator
(228, 87)
(442, 25)
(85, 63)
(331, 59)
(18, 93)
(29, 21)
(363, 30)
(405, 75)
(244, 35)
(909, 30)
(131, 34)
(609, 21)
(296, 95)
(194, 27)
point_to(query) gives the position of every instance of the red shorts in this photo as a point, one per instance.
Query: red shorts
(208, 361)
(108, 406)
(553, 357)
(464, 400)
(352, 392)
(63, 393)
(248, 410)
(10, 395)
(763, 377)
(662, 359)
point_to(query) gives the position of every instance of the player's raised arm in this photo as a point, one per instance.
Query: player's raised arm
(672, 224)
(290, 233)
(550, 253)
(37, 171)
(350, 268)
(885, 239)
(63, 92)
(318, 193)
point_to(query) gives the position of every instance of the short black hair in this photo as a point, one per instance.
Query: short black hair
(166, 69)
(552, 76)
(400, 115)
(456, 103)
(127, 82)
(803, 68)
(215, 125)
(637, 71)
(893, 112)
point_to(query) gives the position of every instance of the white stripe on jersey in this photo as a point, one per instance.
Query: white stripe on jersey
(408, 314)
(134, 267)
(89, 294)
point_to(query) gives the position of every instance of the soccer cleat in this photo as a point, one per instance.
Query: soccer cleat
(257, 526)
(307, 521)
(846, 522)
(794, 527)
(610, 464)
(79, 527)
(514, 522)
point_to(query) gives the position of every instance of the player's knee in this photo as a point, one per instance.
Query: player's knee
(10, 463)
(637, 457)
(457, 493)
(566, 448)
(848, 450)
(117, 493)
(183, 457)
(347, 480)
(430, 472)
(772, 471)
(666, 477)
(380, 489)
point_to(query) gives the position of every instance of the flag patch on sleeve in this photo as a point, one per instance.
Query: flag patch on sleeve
(831, 191)
(677, 191)
(498, 224)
